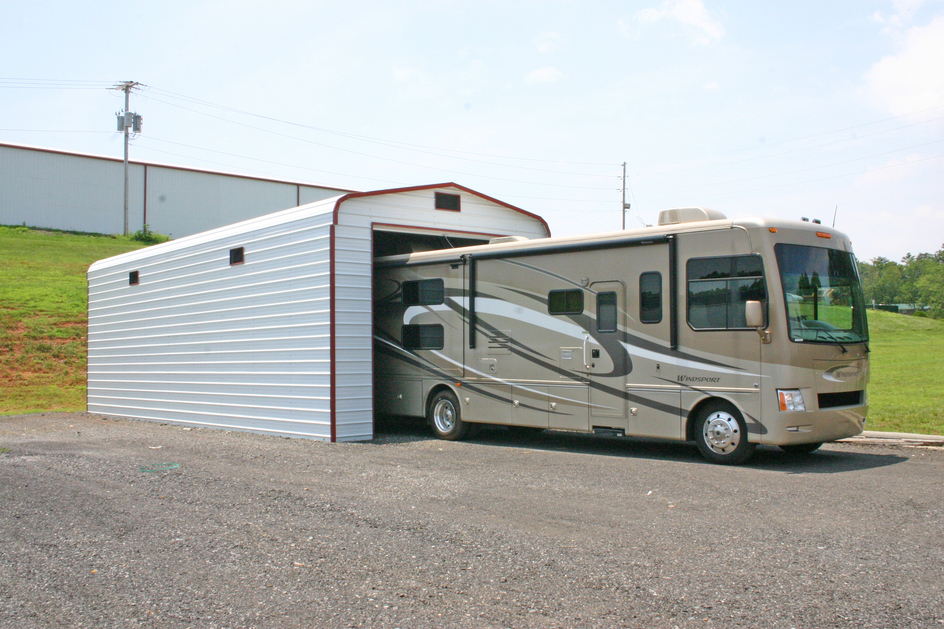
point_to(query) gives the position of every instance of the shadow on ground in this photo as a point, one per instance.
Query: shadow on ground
(830, 459)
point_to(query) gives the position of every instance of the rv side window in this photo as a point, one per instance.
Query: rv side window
(650, 297)
(718, 289)
(423, 336)
(565, 302)
(606, 312)
(423, 292)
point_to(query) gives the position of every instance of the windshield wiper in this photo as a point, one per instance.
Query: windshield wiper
(830, 336)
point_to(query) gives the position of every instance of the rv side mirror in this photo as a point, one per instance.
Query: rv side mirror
(754, 314)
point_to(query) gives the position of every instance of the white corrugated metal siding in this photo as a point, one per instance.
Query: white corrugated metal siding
(353, 330)
(201, 342)
(357, 216)
(416, 208)
(279, 344)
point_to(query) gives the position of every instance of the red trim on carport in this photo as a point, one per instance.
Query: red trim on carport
(333, 283)
(374, 193)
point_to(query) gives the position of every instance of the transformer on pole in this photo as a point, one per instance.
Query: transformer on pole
(128, 122)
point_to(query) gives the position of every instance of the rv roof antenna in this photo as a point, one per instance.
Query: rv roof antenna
(835, 212)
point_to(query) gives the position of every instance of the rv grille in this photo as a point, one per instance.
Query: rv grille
(832, 400)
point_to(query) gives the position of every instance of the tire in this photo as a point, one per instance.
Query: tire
(800, 449)
(721, 434)
(445, 417)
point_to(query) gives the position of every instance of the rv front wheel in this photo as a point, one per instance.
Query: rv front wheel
(721, 434)
(445, 418)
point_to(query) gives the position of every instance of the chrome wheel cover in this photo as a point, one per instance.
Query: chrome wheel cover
(444, 416)
(722, 434)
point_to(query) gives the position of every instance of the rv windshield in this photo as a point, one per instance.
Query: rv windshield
(823, 296)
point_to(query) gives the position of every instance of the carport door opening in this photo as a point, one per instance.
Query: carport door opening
(387, 311)
(390, 243)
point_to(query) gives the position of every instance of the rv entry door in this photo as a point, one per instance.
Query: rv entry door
(605, 359)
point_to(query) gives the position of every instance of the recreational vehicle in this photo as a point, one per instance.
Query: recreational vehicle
(728, 333)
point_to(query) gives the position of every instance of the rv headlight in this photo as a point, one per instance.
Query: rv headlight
(791, 400)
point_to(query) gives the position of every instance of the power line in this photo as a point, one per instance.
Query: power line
(55, 131)
(365, 138)
(53, 84)
(388, 159)
(383, 143)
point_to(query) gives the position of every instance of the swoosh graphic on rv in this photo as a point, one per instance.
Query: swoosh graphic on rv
(709, 366)
(538, 269)
(413, 359)
(493, 379)
(502, 308)
(664, 354)
(622, 363)
(403, 355)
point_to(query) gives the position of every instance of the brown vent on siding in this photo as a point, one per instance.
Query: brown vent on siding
(236, 256)
(133, 278)
(448, 202)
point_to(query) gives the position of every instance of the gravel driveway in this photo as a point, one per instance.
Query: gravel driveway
(122, 523)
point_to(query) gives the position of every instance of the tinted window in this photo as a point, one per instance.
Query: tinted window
(718, 289)
(565, 302)
(822, 293)
(423, 336)
(423, 292)
(650, 297)
(606, 312)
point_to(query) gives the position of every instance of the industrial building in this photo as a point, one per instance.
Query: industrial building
(76, 192)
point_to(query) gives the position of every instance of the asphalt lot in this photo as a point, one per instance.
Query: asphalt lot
(121, 523)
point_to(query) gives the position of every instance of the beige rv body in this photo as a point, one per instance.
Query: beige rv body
(618, 333)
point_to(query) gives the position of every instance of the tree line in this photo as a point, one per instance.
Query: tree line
(917, 280)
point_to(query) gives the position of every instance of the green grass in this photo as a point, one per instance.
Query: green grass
(43, 336)
(906, 392)
(43, 316)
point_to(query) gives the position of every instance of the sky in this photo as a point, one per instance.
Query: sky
(822, 109)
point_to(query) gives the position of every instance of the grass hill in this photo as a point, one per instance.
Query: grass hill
(43, 336)
(43, 316)
(906, 392)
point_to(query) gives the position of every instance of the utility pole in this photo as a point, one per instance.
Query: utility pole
(128, 122)
(625, 204)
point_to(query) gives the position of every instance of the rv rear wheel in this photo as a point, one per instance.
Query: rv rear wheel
(445, 418)
(721, 434)
(801, 448)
